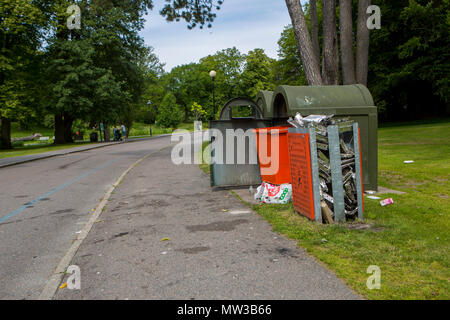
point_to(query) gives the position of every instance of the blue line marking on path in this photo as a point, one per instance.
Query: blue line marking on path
(29, 204)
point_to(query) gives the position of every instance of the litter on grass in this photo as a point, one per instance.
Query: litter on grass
(386, 202)
(274, 194)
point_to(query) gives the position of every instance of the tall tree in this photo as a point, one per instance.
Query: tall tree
(189, 83)
(309, 59)
(21, 23)
(288, 68)
(330, 54)
(330, 66)
(362, 43)
(170, 114)
(410, 60)
(194, 12)
(346, 35)
(314, 28)
(257, 74)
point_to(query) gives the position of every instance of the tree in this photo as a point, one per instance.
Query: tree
(362, 43)
(288, 68)
(154, 88)
(194, 12)
(309, 59)
(330, 51)
(410, 60)
(21, 24)
(106, 77)
(257, 74)
(330, 66)
(346, 36)
(314, 28)
(189, 83)
(198, 111)
(170, 114)
(229, 64)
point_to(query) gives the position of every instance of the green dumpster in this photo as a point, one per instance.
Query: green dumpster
(264, 102)
(353, 101)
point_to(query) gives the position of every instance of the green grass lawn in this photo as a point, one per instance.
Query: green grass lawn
(35, 147)
(141, 129)
(409, 240)
(28, 150)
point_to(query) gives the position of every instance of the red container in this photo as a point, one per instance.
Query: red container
(283, 174)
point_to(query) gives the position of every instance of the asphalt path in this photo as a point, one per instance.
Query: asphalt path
(164, 233)
(44, 203)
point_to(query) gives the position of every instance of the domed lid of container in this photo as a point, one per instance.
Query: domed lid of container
(264, 101)
(288, 100)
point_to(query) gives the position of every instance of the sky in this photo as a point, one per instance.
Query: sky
(244, 24)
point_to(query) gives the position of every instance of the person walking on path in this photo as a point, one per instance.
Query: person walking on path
(115, 131)
(124, 132)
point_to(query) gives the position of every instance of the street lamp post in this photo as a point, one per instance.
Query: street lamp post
(151, 133)
(213, 74)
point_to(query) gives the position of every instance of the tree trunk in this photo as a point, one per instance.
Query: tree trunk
(314, 29)
(346, 35)
(59, 129)
(309, 60)
(330, 67)
(107, 132)
(362, 43)
(5, 139)
(68, 134)
(186, 114)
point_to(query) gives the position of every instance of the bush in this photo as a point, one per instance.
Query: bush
(170, 114)
(17, 144)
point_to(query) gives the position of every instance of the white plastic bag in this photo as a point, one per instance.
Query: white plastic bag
(270, 193)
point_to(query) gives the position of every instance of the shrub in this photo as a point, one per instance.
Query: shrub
(170, 114)
(17, 144)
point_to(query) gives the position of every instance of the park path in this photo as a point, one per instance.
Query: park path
(166, 235)
(44, 203)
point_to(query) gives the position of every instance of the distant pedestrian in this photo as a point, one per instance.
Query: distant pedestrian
(115, 134)
(124, 132)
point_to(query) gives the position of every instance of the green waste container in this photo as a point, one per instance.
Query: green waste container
(353, 101)
(264, 102)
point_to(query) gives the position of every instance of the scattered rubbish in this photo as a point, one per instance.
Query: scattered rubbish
(63, 285)
(370, 192)
(78, 232)
(373, 197)
(386, 202)
(274, 194)
(250, 190)
(324, 240)
(164, 252)
(408, 161)
(236, 212)
(165, 239)
(224, 210)
(99, 221)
